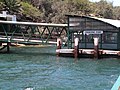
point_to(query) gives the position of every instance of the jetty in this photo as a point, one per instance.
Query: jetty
(91, 37)
(81, 36)
(13, 32)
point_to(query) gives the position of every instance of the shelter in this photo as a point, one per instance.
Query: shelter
(85, 28)
(5, 17)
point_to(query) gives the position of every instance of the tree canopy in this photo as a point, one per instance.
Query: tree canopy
(55, 10)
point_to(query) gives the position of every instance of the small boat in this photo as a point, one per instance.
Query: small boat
(116, 86)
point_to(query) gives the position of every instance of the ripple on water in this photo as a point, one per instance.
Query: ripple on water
(40, 69)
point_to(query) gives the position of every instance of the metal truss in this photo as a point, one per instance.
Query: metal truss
(31, 33)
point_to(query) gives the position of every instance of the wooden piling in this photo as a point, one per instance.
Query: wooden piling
(0, 43)
(76, 48)
(8, 47)
(59, 45)
(96, 49)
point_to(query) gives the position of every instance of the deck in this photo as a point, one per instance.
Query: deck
(88, 53)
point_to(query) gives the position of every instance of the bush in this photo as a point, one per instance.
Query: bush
(29, 10)
(1, 6)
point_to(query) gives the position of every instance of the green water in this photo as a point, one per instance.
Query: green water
(40, 69)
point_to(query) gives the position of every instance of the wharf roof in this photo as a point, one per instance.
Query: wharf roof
(115, 23)
(29, 23)
(33, 23)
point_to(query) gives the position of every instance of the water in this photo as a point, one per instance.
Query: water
(39, 69)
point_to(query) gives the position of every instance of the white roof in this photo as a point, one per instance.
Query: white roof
(28, 23)
(32, 23)
(36, 24)
(115, 23)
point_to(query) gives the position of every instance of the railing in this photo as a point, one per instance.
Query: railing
(28, 32)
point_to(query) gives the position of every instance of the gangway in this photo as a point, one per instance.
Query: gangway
(31, 33)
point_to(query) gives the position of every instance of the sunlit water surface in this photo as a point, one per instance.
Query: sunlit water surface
(40, 69)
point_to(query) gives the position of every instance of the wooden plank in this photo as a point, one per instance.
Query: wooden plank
(64, 50)
(88, 51)
(110, 52)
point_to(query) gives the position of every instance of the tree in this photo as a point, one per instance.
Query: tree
(116, 14)
(83, 6)
(1, 6)
(60, 8)
(12, 6)
(30, 12)
(104, 9)
(55, 10)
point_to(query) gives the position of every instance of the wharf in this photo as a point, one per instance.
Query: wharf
(88, 53)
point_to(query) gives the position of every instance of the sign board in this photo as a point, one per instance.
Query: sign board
(93, 32)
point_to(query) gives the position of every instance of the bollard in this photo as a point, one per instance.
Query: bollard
(96, 50)
(76, 48)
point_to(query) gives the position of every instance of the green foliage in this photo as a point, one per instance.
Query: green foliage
(29, 10)
(83, 6)
(104, 9)
(55, 10)
(116, 11)
(12, 6)
(1, 6)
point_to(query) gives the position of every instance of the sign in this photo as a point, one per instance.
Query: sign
(93, 32)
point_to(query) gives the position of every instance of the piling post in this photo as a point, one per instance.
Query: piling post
(96, 49)
(0, 43)
(76, 48)
(8, 47)
(59, 45)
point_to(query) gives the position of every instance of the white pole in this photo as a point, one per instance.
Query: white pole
(76, 41)
(76, 48)
(96, 51)
(96, 41)
(59, 43)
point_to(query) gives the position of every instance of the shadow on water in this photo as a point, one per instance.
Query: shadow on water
(35, 51)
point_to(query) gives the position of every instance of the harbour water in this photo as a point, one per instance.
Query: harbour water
(39, 68)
